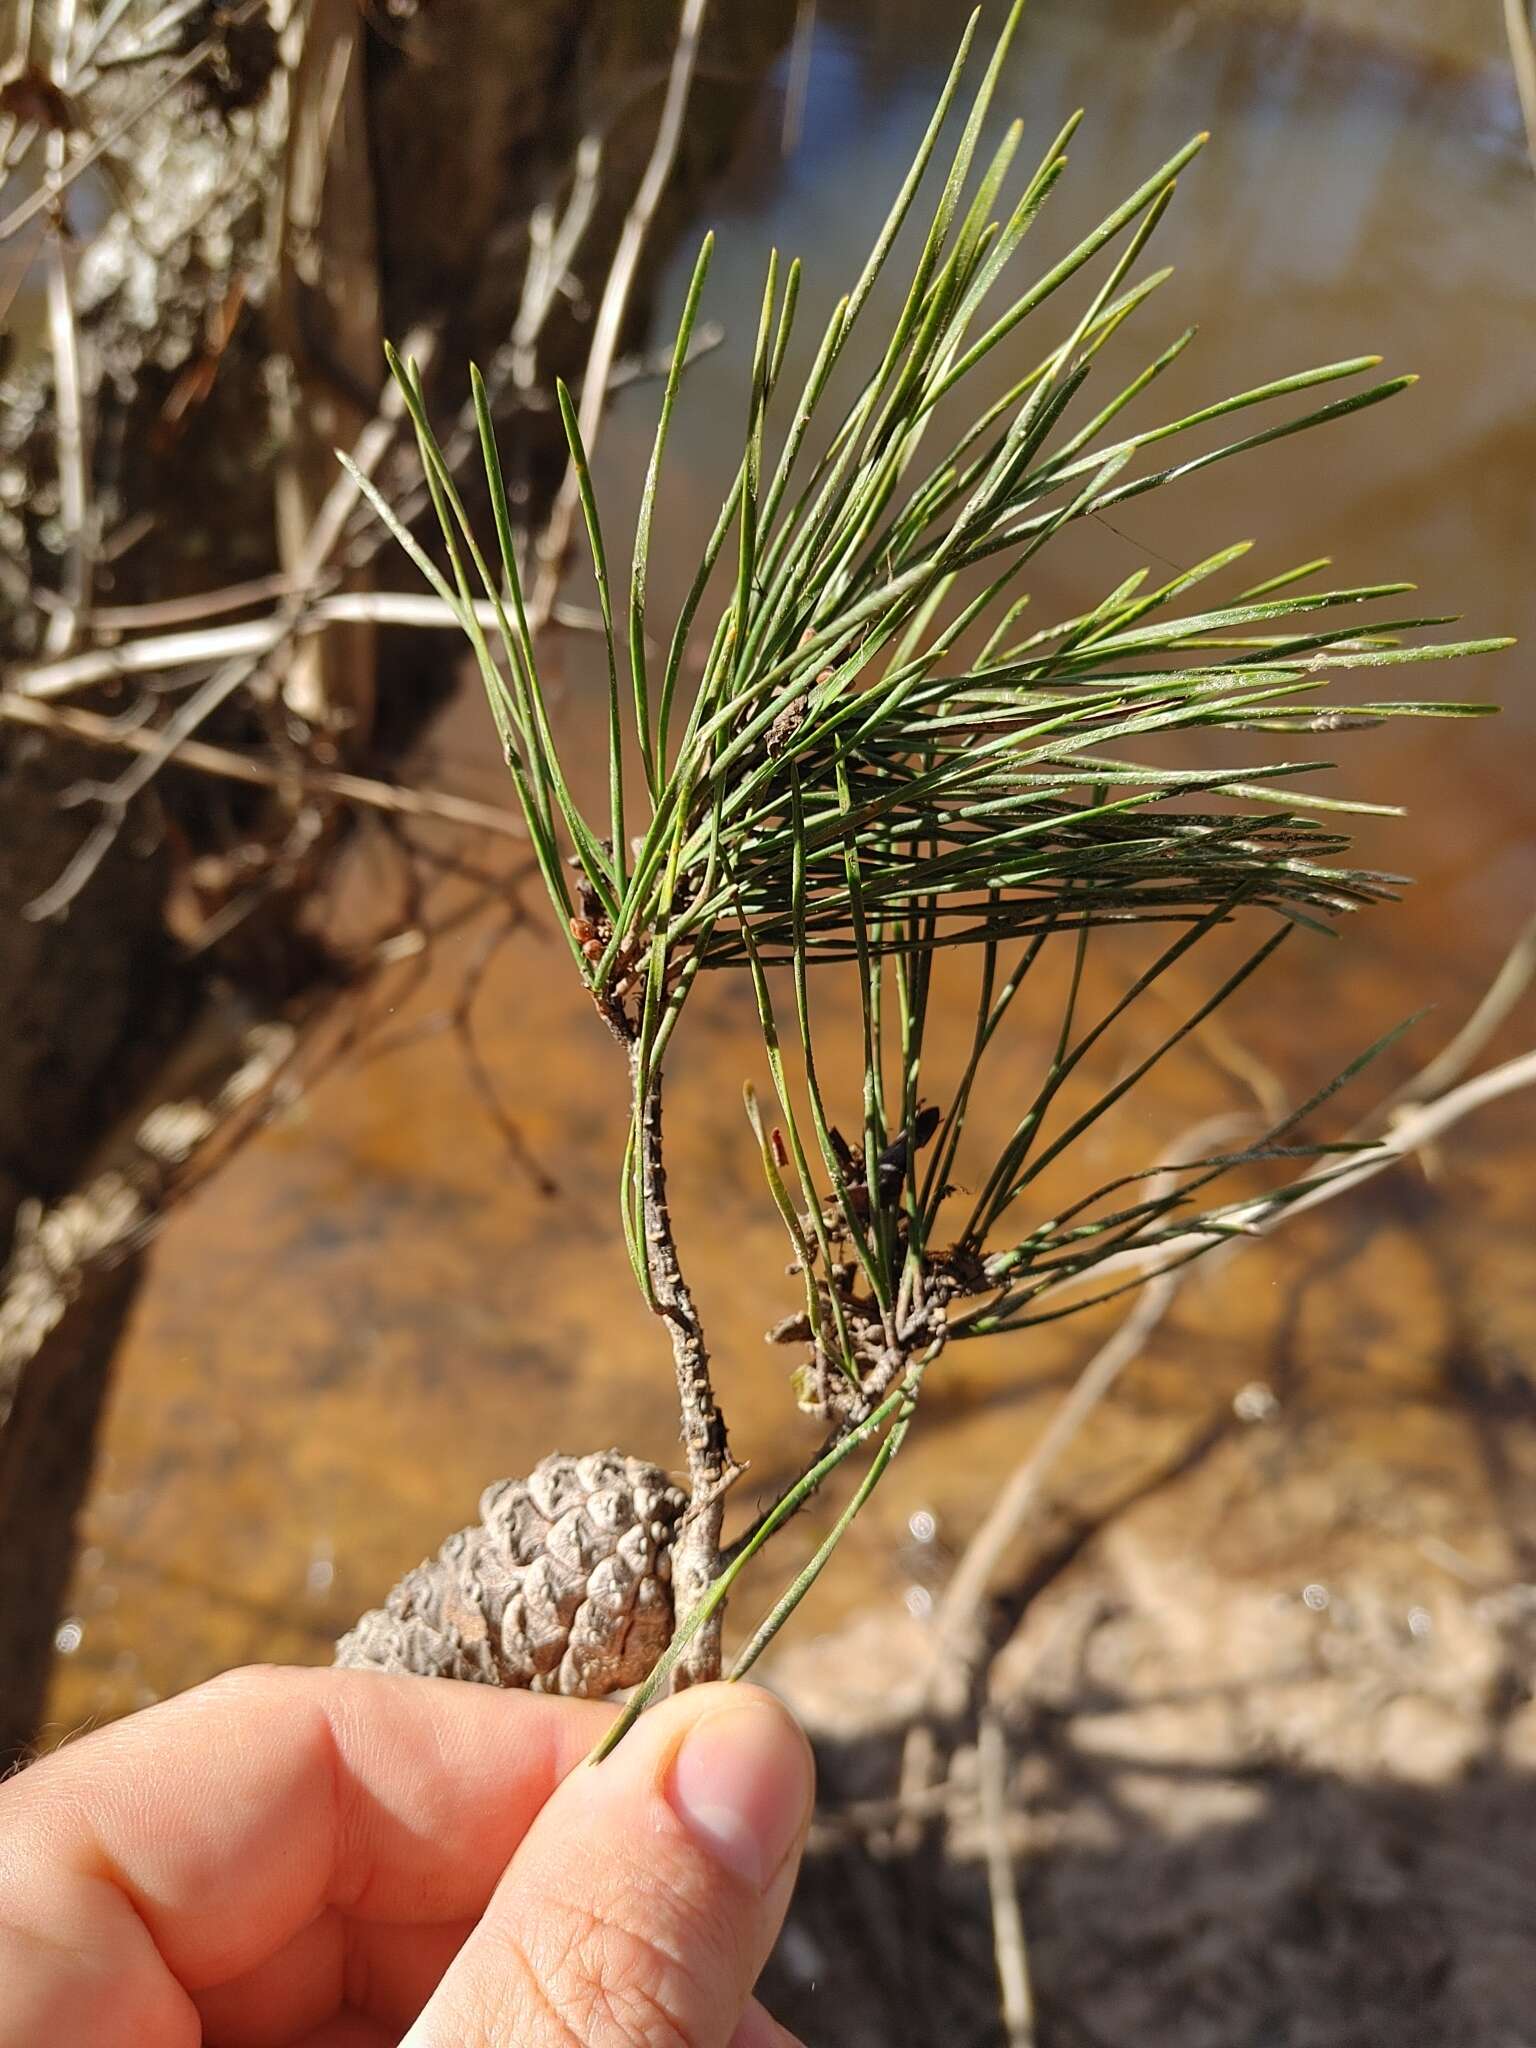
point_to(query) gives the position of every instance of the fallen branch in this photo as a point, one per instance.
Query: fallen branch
(55, 1249)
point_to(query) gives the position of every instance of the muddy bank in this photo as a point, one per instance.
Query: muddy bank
(1270, 1753)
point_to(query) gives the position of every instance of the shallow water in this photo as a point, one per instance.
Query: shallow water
(373, 1310)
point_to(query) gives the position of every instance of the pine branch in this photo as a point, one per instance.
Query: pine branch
(880, 769)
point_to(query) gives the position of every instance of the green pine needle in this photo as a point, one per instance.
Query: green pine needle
(879, 765)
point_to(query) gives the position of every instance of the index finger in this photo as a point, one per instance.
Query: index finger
(230, 1817)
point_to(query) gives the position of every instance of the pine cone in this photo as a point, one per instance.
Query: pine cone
(564, 1585)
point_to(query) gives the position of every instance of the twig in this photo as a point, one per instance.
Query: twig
(368, 451)
(959, 1642)
(552, 246)
(256, 638)
(15, 126)
(799, 78)
(326, 316)
(552, 251)
(180, 611)
(1504, 993)
(1412, 1132)
(242, 648)
(115, 797)
(476, 1067)
(514, 366)
(1008, 1941)
(1234, 1058)
(647, 364)
(554, 542)
(1522, 55)
(69, 440)
(696, 1556)
(231, 766)
(64, 344)
(862, 1819)
(24, 18)
(101, 29)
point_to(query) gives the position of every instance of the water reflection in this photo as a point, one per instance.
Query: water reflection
(374, 1309)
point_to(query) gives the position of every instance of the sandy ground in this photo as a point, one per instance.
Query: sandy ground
(1239, 1809)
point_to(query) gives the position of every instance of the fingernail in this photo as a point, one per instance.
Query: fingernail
(741, 1784)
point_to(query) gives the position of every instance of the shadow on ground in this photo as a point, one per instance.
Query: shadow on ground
(1324, 1913)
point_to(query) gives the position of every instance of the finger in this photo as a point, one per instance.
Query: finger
(286, 1996)
(644, 1899)
(382, 1970)
(760, 2029)
(346, 2030)
(187, 1844)
(388, 1972)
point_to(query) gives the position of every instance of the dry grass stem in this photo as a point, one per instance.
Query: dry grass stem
(1008, 1939)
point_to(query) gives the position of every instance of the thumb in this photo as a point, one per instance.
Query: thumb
(643, 1902)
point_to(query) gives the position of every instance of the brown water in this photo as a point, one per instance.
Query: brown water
(373, 1311)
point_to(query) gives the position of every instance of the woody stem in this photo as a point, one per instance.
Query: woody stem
(696, 1554)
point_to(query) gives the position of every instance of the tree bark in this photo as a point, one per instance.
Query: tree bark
(45, 1468)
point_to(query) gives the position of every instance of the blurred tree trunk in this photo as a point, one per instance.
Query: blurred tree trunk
(329, 175)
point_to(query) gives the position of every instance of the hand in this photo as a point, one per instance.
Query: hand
(343, 1860)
